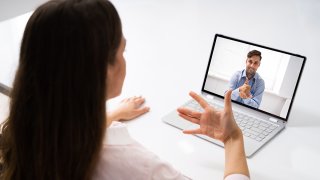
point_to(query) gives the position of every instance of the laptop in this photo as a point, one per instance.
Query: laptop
(262, 110)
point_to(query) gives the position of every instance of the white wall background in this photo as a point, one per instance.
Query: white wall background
(183, 30)
(11, 32)
(288, 83)
(187, 28)
(181, 34)
(13, 8)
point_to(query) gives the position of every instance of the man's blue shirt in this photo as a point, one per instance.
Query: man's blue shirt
(257, 88)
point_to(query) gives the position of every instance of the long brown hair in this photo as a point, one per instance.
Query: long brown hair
(57, 116)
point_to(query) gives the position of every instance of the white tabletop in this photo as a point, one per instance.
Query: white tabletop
(168, 46)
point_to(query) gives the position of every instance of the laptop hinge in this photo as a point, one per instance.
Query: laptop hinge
(273, 120)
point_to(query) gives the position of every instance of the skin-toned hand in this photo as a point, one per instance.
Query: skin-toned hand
(220, 124)
(217, 124)
(245, 90)
(128, 109)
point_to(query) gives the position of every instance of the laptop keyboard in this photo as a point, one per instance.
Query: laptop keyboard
(251, 127)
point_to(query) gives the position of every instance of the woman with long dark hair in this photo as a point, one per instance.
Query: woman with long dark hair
(71, 62)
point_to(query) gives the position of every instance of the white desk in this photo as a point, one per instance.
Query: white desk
(168, 46)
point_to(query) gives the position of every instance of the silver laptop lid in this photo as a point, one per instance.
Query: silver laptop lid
(271, 76)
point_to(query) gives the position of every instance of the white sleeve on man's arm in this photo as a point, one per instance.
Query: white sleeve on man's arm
(237, 177)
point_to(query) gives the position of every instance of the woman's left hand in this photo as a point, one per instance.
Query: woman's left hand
(128, 109)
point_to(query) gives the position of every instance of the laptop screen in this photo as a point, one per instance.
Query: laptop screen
(261, 78)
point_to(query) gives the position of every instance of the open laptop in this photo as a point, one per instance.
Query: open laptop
(263, 114)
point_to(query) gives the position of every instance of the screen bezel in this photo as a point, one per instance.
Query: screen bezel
(250, 43)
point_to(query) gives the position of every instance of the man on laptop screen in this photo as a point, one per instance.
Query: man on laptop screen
(247, 84)
(262, 93)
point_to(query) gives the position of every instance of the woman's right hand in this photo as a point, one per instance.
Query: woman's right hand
(217, 124)
(220, 125)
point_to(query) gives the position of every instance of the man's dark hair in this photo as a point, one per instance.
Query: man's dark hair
(254, 53)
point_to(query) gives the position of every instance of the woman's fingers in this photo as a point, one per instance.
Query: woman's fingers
(132, 107)
(191, 119)
(227, 101)
(139, 100)
(192, 131)
(189, 112)
(141, 111)
(203, 103)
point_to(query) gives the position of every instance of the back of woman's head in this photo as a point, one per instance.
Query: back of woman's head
(57, 114)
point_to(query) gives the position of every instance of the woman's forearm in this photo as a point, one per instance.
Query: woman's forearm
(235, 159)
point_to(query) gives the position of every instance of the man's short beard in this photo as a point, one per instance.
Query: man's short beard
(250, 75)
